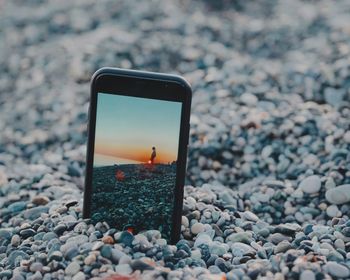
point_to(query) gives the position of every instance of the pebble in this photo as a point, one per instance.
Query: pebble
(56, 255)
(15, 240)
(202, 238)
(15, 257)
(108, 239)
(79, 276)
(288, 229)
(60, 229)
(72, 268)
(34, 213)
(197, 228)
(282, 247)
(339, 194)
(217, 248)
(123, 269)
(5, 234)
(40, 200)
(250, 216)
(332, 211)
(17, 206)
(126, 238)
(25, 233)
(307, 275)
(184, 221)
(90, 259)
(276, 238)
(311, 184)
(141, 265)
(337, 270)
(245, 237)
(36, 266)
(249, 99)
(240, 249)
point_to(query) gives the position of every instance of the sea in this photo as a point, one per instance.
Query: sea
(104, 160)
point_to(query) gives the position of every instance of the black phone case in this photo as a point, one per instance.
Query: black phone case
(144, 76)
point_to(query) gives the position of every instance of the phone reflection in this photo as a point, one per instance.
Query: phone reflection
(134, 172)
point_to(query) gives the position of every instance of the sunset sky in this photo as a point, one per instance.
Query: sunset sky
(128, 127)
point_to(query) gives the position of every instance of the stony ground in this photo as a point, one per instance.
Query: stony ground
(269, 149)
(143, 193)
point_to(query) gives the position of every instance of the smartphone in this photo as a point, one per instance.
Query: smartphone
(138, 133)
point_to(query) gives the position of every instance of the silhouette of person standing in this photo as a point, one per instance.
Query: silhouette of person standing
(153, 155)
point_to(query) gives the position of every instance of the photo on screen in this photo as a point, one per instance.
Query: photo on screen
(135, 160)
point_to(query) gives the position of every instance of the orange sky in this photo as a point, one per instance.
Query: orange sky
(128, 127)
(133, 153)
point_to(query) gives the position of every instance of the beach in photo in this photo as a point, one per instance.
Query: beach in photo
(134, 172)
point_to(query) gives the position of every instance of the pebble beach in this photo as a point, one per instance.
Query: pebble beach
(267, 192)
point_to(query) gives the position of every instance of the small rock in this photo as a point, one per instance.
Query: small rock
(197, 228)
(71, 203)
(123, 269)
(307, 275)
(337, 270)
(311, 184)
(202, 238)
(15, 240)
(217, 248)
(40, 200)
(17, 206)
(140, 265)
(25, 233)
(79, 276)
(97, 245)
(339, 195)
(3, 178)
(288, 229)
(332, 211)
(60, 229)
(126, 238)
(250, 216)
(36, 266)
(334, 96)
(240, 249)
(56, 255)
(90, 259)
(249, 99)
(185, 222)
(106, 251)
(276, 238)
(108, 239)
(282, 247)
(72, 268)
(15, 258)
(244, 237)
(5, 234)
(339, 243)
(34, 213)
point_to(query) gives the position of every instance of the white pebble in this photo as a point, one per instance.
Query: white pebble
(311, 184)
(184, 221)
(72, 269)
(79, 276)
(197, 228)
(332, 211)
(339, 195)
(249, 99)
(307, 275)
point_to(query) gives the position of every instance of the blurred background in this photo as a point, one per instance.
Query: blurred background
(270, 122)
(270, 79)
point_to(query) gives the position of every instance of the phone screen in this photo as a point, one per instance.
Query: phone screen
(135, 160)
